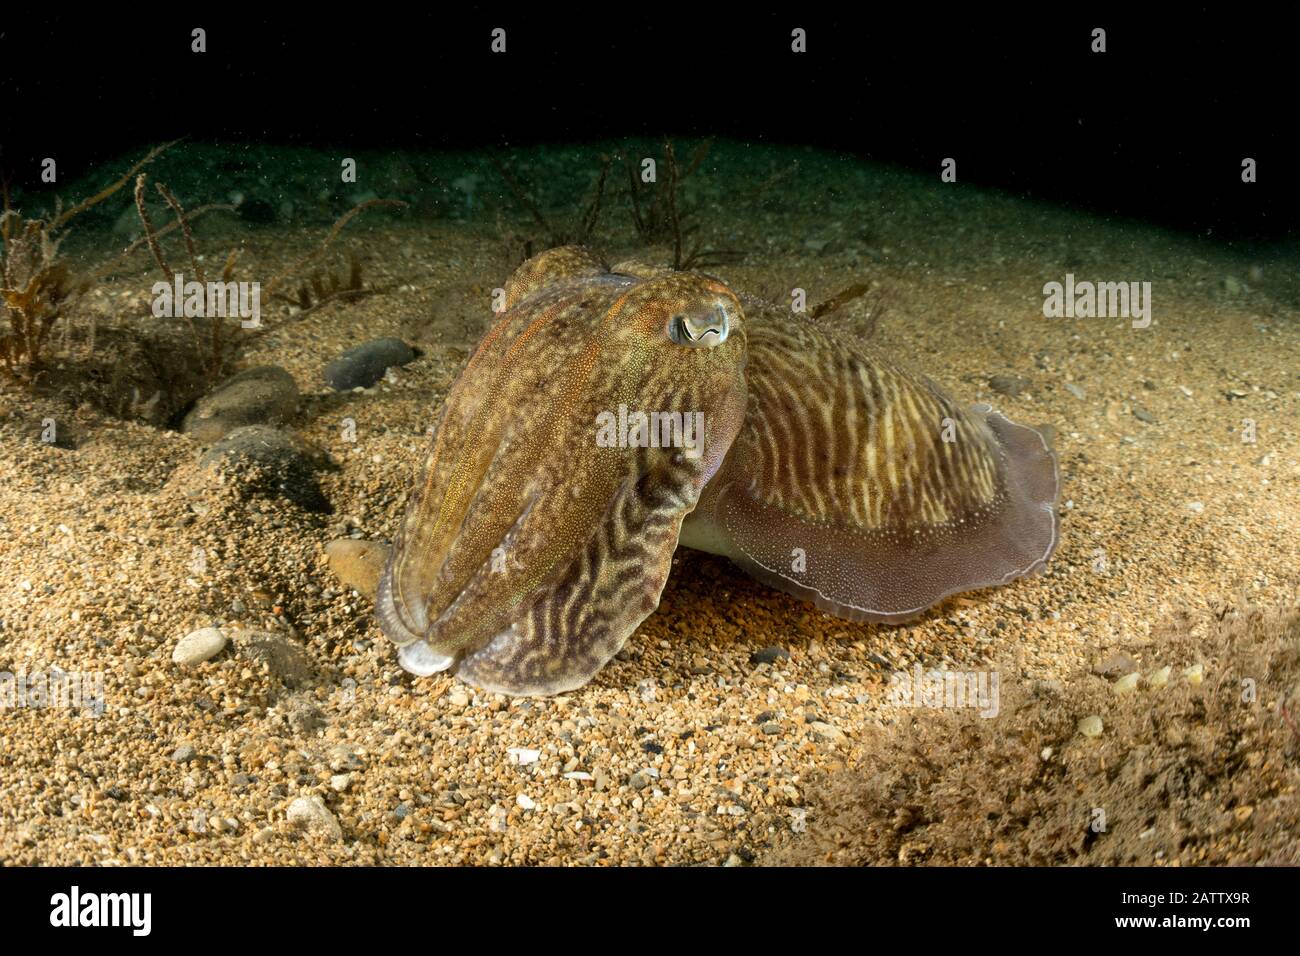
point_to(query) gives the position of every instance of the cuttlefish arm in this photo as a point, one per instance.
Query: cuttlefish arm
(864, 489)
(533, 545)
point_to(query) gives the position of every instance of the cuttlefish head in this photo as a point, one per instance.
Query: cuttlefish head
(574, 443)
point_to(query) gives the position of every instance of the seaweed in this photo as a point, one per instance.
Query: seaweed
(577, 232)
(36, 286)
(37, 289)
(663, 217)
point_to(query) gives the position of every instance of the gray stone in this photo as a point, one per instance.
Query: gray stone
(283, 658)
(311, 814)
(1010, 385)
(268, 462)
(265, 395)
(769, 655)
(366, 364)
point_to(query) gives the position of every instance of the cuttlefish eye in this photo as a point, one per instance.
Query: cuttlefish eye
(704, 328)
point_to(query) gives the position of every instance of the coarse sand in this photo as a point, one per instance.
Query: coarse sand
(1179, 548)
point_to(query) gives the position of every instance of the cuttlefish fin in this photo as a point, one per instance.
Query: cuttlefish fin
(868, 492)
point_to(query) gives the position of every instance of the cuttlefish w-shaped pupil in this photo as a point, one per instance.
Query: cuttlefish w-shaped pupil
(566, 470)
(703, 328)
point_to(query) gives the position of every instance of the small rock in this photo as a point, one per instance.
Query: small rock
(829, 731)
(525, 802)
(769, 655)
(1127, 683)
(523, 756)
(366, 364)
(340, 782)
(1117, 665)
(1142, 415)
(638, 781)
(1159, 678)
(184, 753)
(267, 462)
(311, 814)
(265, 395)
(1195, 507)
(1231, 285)
(1010, 385)
(771, 729)
(1195, 674)
(358, 564)
(283, 658)
(199, 646)
(1091, 726)
(458, 698)
(1076, 390)
(342, 759)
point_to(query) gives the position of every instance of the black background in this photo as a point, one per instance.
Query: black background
(1155, 128)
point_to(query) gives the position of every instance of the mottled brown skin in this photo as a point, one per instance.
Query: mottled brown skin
(529, 553)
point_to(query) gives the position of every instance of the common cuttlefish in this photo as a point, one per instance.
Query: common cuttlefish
(611, 415)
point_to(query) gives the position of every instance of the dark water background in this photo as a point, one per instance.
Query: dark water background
(1154, 129)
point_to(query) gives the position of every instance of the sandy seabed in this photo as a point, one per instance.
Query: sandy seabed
(1179, 548)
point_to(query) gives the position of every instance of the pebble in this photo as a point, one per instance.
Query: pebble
(199, 646)
(523, 756)
(1195, 507)
(525, 802)
(1091, 726)
(827, 730)
(285, 467)
(1126, 683)
(282, 657)
(1142, 415)
(1195, 674)
(311, 814)
(358, 564)
(1010, 385)
(366, 364)
(1117, 665)
(340, 782)
(264, 395)
(342, 758)
(1076, 390)
(769, 655)
(1159, 678)
(184, 753)
(638, 781)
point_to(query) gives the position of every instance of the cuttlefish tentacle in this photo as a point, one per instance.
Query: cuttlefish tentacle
(531, 548)
(866, 490)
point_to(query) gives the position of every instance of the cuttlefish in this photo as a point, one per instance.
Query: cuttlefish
(613, 414)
